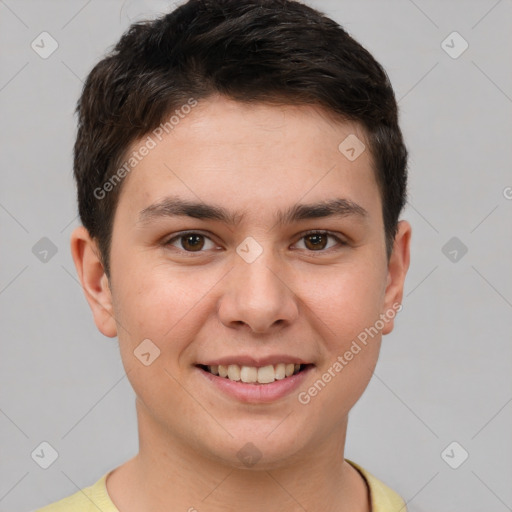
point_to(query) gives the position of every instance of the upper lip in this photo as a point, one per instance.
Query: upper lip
(245, 360)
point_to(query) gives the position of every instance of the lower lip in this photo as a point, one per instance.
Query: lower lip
(257, 393)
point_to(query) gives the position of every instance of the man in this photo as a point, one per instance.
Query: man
(240, 175)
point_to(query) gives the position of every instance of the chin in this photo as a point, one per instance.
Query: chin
(263, 448)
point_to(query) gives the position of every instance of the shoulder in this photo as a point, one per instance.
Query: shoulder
(382, 497)
(89, 499)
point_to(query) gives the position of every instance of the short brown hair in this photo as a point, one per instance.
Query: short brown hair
(275, 51)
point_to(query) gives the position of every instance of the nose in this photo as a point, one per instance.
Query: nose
(257, 296)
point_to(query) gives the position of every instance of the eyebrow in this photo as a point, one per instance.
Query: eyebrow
(178, 207)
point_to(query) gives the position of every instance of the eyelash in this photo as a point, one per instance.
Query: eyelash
(303, 235)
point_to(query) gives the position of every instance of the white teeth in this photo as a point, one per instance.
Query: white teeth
(234, 372)
(280, 371)
(266, 374)
(248, 374)
(252, 374)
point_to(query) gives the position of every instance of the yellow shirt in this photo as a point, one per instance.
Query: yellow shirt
(95, 497)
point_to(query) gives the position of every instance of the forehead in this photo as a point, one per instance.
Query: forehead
(250, 156)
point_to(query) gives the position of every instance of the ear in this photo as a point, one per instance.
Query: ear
(94, 281)
(397, 269)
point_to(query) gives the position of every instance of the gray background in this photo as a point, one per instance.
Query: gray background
(444, 374)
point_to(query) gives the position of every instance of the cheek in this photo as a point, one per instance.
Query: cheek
(346, 301)
(348, 307)
(165, 307)
(148, 294)
(154, 311)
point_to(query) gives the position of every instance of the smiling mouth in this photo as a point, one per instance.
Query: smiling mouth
(255, 375)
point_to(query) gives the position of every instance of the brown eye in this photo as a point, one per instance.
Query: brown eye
(193, 242)
(316, 241)
(190, 242)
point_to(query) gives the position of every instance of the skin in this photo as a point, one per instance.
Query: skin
(293, 299)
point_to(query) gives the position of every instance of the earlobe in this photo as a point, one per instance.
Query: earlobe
(94, 280)
(397, 270)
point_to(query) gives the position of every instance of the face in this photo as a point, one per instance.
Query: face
(254, 275)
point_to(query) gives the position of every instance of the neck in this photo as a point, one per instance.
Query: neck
(170, 471)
